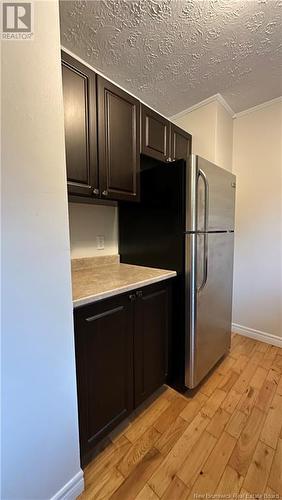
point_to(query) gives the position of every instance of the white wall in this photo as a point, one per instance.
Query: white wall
(86, 223)
(211, 127)
(224, 138)
(40, 451)
(201, 123)
(257, 163)
(252, 146)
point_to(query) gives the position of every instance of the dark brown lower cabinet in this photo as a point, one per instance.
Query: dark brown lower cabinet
(121, 358)
(104, 363)
(150, 340)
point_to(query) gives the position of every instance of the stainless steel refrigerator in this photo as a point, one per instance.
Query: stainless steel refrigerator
(185, 222)
(208, 266)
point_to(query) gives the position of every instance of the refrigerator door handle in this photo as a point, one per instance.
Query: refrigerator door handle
(206, 187)
(206, 216)
(205, 264)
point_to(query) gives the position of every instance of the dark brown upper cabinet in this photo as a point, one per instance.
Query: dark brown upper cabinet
(119, 145)
(79, 94)
(154, 135)
(180, 143)
(161, 139)
(102, 136)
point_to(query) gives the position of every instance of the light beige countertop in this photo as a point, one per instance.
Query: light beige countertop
(97, 278)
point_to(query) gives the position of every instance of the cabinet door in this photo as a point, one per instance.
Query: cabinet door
(180, 145)
(79, 93)
(119, 144)
(104, 347)
(152, 321)
(155, 135)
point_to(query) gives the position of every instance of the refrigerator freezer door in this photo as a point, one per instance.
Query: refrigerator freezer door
(210, 197)
(209, 275)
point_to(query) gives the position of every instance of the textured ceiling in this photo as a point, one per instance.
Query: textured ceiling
(175, 53)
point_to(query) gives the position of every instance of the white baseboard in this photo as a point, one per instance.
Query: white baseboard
(72, 489)
(257, 335)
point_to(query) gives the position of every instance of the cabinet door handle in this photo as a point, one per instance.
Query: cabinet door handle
(105, 193)
(95, 191)
(168, 159)
(132, 297)
(139, 293)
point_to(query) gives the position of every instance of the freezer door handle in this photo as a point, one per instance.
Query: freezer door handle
(205, 264)
(206, 187)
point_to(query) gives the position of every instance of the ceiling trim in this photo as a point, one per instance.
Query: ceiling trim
(258, 107)
(214, 98)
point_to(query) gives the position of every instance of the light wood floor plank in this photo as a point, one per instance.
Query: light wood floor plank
(258, 472)
(231, 401)
(172, 434)
(136, 481)
(170, 414)
(279, 387)
(269, 357)
(146, 419)
(266, 394)
(137, 451)
(173, 461)
(275, 477)
(177, 490)
(213, 403)
(228, 381)
(273, 422)
(146, 494)
(193, 407)
(245, 377)
(262, 347)
(236, 424)
(248, 400)
(193, 464)
(259, 377)
(213, 469)
(240, 364)
(246, 444)
(271, 494)
(277, 363)
(106, 461)
(250, 395)
(107, 484)
(257, 357)
(226, 365)
(230, 483)
(218, 422)
(211, 384)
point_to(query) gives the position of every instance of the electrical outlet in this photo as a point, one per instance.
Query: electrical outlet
(100, 242)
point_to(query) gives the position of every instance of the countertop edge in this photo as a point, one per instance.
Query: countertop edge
(117, 291)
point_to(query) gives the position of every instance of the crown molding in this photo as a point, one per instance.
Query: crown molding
(221, 100)
(214, 98)
(258, 107)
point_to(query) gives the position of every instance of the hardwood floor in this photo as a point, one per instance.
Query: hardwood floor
(225, 439)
